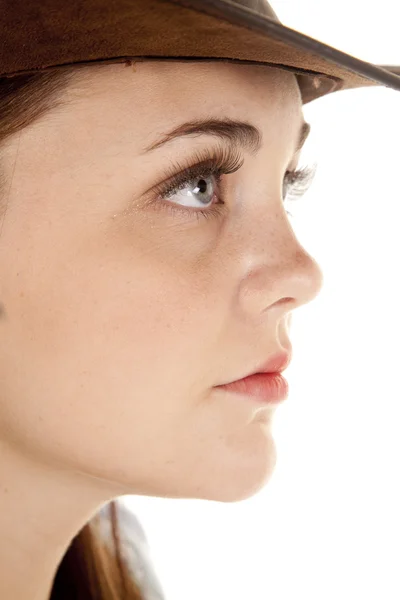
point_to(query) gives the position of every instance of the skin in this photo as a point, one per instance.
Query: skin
(118, 323)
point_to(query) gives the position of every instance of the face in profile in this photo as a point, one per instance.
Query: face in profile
(129, 293)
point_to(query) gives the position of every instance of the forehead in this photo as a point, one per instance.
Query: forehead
(196, 84)
(118, 110)
(133, 104)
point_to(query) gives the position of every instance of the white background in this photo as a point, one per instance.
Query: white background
(327, 524)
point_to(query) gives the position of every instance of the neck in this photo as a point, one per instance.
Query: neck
(42, 508)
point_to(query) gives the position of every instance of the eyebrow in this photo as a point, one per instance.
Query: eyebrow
(238, 133)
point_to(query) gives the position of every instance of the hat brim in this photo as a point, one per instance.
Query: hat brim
(291, 49)
(55, 34)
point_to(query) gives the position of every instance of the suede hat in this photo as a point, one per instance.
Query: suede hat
(37, 35)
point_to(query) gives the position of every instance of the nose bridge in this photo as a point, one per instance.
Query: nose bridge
(279, 272)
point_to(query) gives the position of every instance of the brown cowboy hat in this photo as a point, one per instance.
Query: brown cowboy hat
(38, 35)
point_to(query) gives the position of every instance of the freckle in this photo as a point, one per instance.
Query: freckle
(2, 311)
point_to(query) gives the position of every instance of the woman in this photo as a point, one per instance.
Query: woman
(144, 263)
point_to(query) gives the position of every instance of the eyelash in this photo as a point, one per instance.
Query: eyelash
(222, 161)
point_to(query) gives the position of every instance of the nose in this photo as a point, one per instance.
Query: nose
(280, 275)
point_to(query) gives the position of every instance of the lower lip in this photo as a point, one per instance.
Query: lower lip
(268, 388)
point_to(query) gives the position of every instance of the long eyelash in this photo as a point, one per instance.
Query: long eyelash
(219, 161)
(299, 181)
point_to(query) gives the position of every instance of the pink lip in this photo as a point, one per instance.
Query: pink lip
(266, 387)
(275, 364)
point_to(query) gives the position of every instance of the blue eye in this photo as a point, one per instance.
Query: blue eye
(200, 189)
(200, 184)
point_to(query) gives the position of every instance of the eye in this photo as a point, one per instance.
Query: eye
(296, 183)
(192, 190)
(197, 192)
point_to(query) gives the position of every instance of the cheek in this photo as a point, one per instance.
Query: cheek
(102, 360)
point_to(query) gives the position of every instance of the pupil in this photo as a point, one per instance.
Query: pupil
(203, 186)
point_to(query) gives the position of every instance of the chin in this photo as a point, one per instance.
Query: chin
(236, 485)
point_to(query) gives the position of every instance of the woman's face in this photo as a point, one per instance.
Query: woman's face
(121, 314)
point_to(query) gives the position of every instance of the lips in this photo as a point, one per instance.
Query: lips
(274, 364)
(265, 387)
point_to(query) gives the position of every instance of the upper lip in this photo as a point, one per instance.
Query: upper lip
(276, 363)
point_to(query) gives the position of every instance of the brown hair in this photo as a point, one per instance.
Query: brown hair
(92, 568)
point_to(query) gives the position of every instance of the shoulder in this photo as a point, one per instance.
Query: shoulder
(131, 525)
(136, 550)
